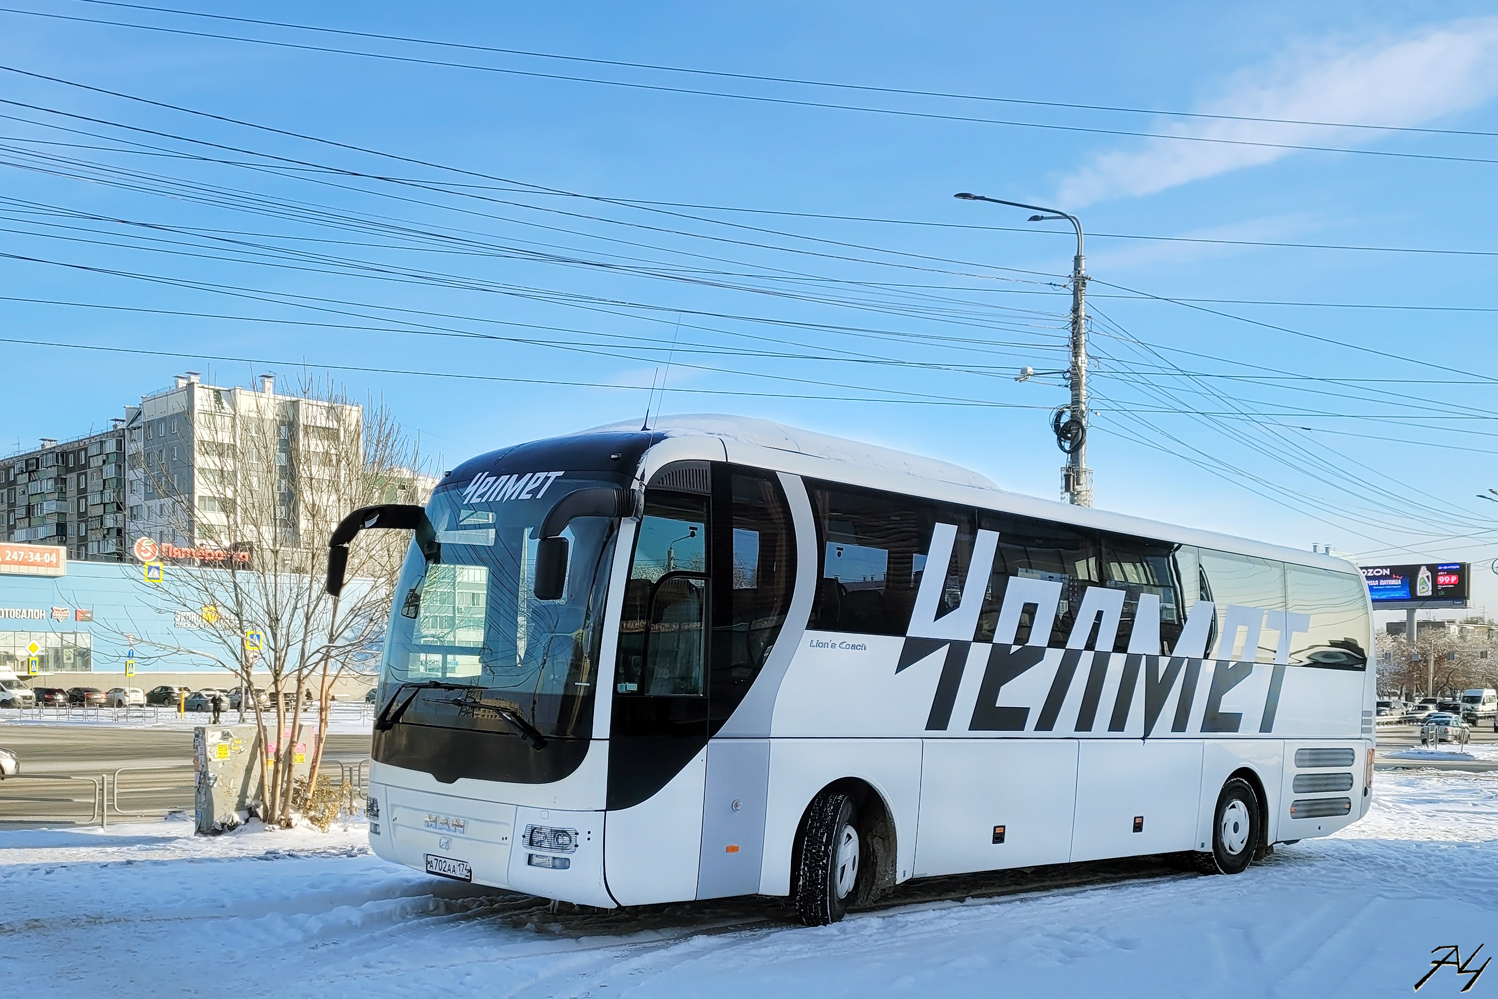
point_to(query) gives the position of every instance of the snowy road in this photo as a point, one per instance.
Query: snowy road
(148, 911)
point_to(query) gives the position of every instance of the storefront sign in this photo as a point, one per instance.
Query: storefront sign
(33, 560)
(148, 551)
(41, 613)
(207, 616)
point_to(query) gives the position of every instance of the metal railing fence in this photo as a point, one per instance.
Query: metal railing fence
(19, 804)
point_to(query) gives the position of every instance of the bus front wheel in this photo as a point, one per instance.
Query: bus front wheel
(1235, 830)
(830, 854)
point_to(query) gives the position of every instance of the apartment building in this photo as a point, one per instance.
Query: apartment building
(70, 494)
(196, 468)
(214, 466)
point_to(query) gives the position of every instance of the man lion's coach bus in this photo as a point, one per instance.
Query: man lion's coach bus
(724, 657)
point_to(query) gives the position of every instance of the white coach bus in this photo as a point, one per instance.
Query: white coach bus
(723, 657)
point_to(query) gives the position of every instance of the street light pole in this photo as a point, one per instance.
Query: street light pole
(1070, 422)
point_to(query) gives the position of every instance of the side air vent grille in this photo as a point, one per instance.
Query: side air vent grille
(690, 477)
(1316, 758)
(1319, 808)
(1312, 783)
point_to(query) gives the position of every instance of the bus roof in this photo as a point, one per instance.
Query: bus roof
(860, 457)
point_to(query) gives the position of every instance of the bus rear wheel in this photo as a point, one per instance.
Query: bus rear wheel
(1235, 830)
(830, 859)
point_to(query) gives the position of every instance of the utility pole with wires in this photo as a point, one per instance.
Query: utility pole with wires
(1069, 423)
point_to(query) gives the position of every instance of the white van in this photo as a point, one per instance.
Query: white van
(1480, 704)
(14, 693)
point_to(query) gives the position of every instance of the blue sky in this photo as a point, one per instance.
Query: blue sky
(1363, 428)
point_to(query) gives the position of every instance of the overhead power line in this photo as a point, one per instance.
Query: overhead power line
(466, 376)
(782, 101)
(762, 77)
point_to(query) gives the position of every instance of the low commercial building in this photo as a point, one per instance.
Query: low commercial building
(66, 623)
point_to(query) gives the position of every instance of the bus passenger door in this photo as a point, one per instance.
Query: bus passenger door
(659, 724)
(753, 552)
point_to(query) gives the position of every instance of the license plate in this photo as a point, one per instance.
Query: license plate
(449, 868)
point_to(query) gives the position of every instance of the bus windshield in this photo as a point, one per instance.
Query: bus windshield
(471, 647)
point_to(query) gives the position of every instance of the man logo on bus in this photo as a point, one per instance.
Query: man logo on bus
(1100, 613)
(486, 488)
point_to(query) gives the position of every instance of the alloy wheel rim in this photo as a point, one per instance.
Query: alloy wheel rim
(847, 861)
(1235, 827)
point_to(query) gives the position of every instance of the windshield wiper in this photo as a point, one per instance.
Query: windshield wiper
(529, 734)
(388, 717)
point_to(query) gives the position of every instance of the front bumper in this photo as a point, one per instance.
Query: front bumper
(406, 826)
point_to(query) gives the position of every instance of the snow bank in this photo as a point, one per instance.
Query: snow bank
(148, 910)
(1449, 755)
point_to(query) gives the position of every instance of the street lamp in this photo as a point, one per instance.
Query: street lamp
(1069, 422)
(671, 548)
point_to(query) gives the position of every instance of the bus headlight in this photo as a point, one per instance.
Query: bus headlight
(550, 838)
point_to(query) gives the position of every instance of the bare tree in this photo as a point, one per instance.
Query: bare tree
(1461, 655)
(273, 475)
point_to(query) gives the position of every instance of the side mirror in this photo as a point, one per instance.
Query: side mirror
(386, 516)
(551, 568)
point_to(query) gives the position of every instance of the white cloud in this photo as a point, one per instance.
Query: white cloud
(1407, 82)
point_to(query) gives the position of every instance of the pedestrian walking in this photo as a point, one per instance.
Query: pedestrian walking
(217, 703)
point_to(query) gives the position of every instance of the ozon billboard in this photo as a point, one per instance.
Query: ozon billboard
(148, 550)
(1422, 584)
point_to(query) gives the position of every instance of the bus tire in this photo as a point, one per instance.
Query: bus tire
(1235, 830)
(830, 859)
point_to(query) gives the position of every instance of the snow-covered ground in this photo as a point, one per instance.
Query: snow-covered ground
(148, 910)
(346, 717)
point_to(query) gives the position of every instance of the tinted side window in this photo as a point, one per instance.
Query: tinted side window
(1337, 604)
(664, 599)
(761, 557)
(1039, 549)
(1245, 581)
(1137, 566)
(873, 553)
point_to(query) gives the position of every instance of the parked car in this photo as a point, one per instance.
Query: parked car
(125, 697)
(369, 695)
(261, 698)
(288, 698)
(1450, 727)
(166, 695)
(1449, 706)
(15, 694)
(1382, 708)
(1418, 712)
(9, 765)
(50, 697)
(202, 700)
(88, 697)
